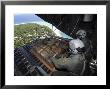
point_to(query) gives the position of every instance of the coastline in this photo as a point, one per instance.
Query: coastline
(58, 32)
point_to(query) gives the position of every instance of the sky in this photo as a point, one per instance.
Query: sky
(32, 18)
(24, 18)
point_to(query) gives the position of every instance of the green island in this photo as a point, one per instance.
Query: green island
(26, 33)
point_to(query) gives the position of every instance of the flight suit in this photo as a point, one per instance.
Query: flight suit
(74, 63)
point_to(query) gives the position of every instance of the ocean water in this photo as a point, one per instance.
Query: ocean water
(32, 18)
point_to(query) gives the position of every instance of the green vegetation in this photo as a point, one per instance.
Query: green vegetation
(25, 33)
